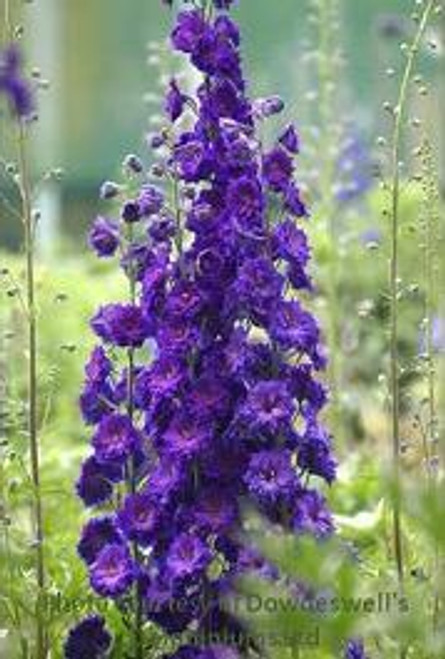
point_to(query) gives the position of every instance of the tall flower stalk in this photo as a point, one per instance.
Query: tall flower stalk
(31, 318)
(203, 391)
(18, 93)
(399, 116)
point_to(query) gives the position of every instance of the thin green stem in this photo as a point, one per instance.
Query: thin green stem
(399, 117)
(25, 187)
(131, 479)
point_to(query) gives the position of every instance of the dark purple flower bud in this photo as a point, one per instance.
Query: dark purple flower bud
(174, 101)
(150, 200)
(113, 571)
(156, 141)
(277, 169)
(95, 484)
(88, 639)
(131, 212)
(158, 170)
(267, 107)
(293, 202)
(162, 229)
(104, 237)
(315, 453)
(226, 28)
(109, 190)
(191, 160)
(190, 29)
(133, 164)
(289, 139)
(96, 401)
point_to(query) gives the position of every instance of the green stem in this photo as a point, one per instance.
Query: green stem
(34, 447)
(131, 479)
(399, 116)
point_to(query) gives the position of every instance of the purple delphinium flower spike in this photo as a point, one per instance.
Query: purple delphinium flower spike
(205, 372)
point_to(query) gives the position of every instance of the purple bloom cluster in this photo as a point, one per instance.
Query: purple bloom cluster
(218, 401)
(13, 84)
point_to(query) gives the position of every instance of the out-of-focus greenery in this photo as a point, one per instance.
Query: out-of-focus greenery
(68, 294)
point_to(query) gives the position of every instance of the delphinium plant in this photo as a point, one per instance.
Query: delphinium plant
(204, 391)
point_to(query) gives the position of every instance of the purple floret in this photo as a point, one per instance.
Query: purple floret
(293, 328)
(289, 139)
(271, 477)
(312, 516)
(122, 325)
(185, 438)
(150, 201)
(115, 439)
(138, 518)
(95, 483)
(277, 169)
(268, 408)
(187, 557)
(89, 639)
(97, 533)
(113, 571)
(104, 237)
(98, 367)
(174, 101)
(291, 243)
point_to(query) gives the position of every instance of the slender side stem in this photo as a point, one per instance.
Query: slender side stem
(431, 238)
(132, 479)
(399, 116)
(25, 187)
(138, 636)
